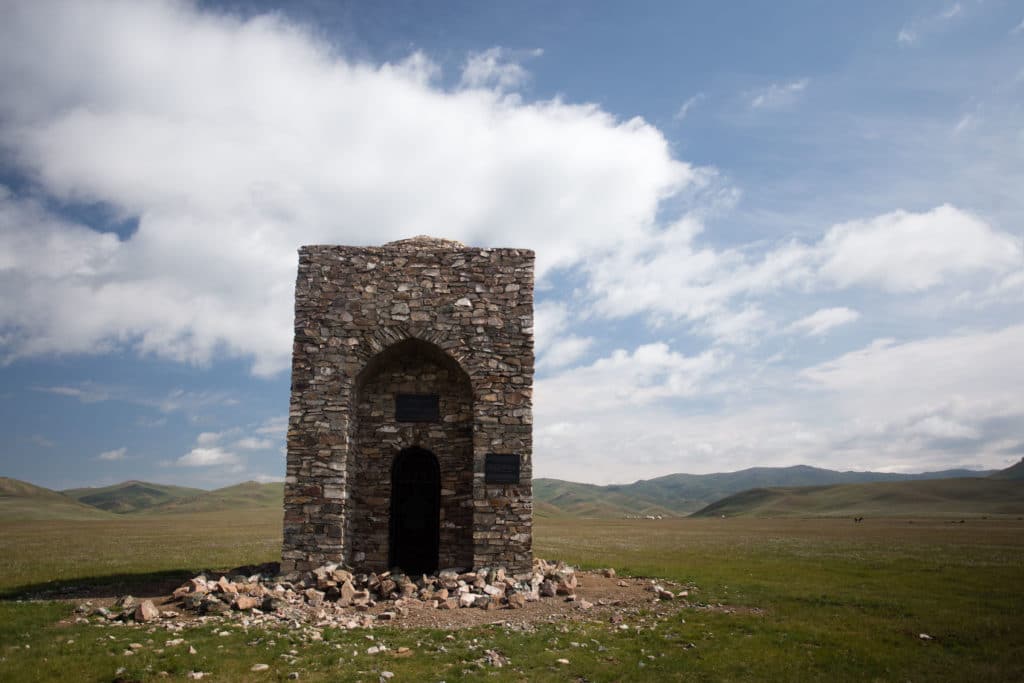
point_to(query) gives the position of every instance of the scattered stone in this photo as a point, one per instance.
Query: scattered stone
(259, 667)
(562, 661)
(146, 611)
(245, 602)
(125, 602)
(608, 573)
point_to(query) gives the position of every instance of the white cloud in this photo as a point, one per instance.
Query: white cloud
(651, 372)
(1019, 28)
(208, 438)
(825, 319)
(208, 457)
(907, 252)
(911, 406)
(254, 444)
(974, 375)
(550, 318)
(496, 68)
(116, 454)
(565, 351)
(778, 95)
(686, 106)
(275, 427)
(253, 141)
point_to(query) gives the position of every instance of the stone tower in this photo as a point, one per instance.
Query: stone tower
(410, 433)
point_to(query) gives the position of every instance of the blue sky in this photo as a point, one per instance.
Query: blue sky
(767, 233)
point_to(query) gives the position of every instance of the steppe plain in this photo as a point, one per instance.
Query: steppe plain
(793, 598)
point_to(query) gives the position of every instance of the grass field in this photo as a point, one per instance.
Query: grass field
(812, 599)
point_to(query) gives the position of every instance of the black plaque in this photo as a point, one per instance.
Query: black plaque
(417, 408)
(501, 468)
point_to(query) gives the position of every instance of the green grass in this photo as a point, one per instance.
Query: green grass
(813, 599)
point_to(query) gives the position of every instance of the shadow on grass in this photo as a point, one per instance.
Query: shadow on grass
(149, 584)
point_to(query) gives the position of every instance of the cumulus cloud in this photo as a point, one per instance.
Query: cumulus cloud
(825, 319)
(896, 406)
(903, 251)
(259, 138)
(671, 274)
(116, 454)
(649, 373)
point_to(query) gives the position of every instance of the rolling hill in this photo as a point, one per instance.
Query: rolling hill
(758, 490)
(20, 500)
(682, 494)
(245, 496)
(963, 497)
(1012, 472)
(130, 496)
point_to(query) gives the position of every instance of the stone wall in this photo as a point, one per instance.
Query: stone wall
(415, 316)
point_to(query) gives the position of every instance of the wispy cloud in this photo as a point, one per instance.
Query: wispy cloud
(825, 319)
(175, 400)
(40, 440)
(209, 457)
(116, 454)
(778, 95)
(906, 36)
(686, 106)
(1018, 29)
(934, 23)
(951, 11)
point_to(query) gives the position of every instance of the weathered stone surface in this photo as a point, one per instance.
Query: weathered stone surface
(421, 316)
(146, 611)
(245, 602)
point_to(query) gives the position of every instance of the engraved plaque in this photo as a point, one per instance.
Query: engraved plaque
(501, 468)
(417, 408)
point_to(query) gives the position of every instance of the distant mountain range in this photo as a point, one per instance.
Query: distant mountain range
(682, 494)
(756, 491)
(21, 500)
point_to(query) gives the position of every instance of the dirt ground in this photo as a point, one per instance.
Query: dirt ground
(598, 598)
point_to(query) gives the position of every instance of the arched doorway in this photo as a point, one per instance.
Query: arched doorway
(415, 511)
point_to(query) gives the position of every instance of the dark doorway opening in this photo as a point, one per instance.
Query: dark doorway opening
(415, 511)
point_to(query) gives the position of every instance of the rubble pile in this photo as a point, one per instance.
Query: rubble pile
(332, 593)
(333, 586)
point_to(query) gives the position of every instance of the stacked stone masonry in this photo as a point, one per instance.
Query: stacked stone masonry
(421, 317)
